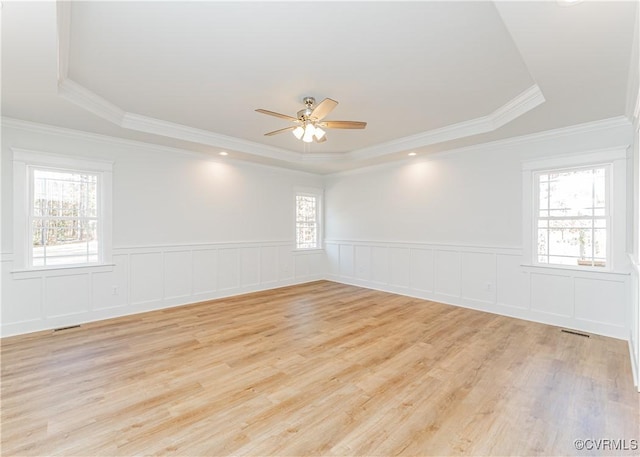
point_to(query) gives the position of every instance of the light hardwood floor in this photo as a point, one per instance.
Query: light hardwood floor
(315, 369)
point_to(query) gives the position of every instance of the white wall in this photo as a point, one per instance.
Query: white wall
(633, 111)
(449, 228)
(185, 229)
(446, 227)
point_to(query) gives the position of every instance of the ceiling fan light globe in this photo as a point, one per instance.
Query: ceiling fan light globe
(309, 130)
(319, 133)
(298, 132)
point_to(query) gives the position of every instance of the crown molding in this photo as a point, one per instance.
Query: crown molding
(521, 104)
(91, 102)
(155, 126)
(88, 100)
(547, 135)
(63, 16)
(524, 102)
(46, 129)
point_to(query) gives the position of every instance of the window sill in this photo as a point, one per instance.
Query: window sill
(308, 251)
(570, 269)
(62, 270)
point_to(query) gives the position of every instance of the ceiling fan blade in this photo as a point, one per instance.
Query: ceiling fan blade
(273, 113)
(275, 132)
(344, 124)
(323, 108)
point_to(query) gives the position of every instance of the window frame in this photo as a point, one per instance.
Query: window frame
(616, 159)
(31, 169)
(607, 217)
(24, 164)
(317, 194)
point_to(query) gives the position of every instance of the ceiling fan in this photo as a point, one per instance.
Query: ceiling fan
(309, 123)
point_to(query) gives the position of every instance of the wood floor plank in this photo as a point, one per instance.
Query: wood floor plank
(314, 369)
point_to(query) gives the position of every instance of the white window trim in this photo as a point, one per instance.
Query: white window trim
(23, 162)
(616, 158)
(319, 194)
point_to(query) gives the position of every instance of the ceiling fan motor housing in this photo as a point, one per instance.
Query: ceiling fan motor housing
(305, 114)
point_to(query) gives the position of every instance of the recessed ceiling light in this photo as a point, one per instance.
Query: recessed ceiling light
(223, 153)
(411, 154)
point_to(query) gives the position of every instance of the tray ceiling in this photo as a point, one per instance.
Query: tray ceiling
(190, 74)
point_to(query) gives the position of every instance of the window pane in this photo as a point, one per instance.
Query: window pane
(543, 199)
(600, 243)
(38, 261)
(543, 242)
(571, 193)
(57, 193)
(305, 208)
(68, 241)
(570, 242)
(306, 235)
(560, 260)
(599, 193)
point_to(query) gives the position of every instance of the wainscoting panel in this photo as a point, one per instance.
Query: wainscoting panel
(269, 264)
(363, 262)
(422, 269)
(552, 294)
(479, 276)
(228, 269)
(250, 267)
(487, 278)
(205, 270)
(30, 291)
(400, 263)
(177, 274)
(448, 273)
(346, 261)
(379, 265)
(286, 263)
(600, 301)
(109, 288)
(66, 295)
(146, 278)
(514, 290)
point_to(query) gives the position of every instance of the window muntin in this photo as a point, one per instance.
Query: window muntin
(64, 221)
(572, 217)
(307, 221)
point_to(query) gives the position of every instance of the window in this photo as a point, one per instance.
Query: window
(572, 216)
(62, 210)
(574, 210)
(307, 220)
(64, 221)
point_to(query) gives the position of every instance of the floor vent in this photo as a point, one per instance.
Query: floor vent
(575, 333)
(65, 328)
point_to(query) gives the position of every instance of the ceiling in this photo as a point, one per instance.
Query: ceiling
(425, 76)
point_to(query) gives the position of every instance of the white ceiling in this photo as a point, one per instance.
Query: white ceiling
(423, 75)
